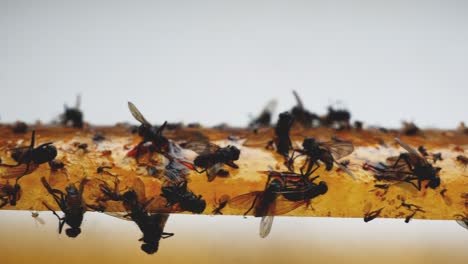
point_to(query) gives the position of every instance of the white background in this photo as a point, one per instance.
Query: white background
(215, 61)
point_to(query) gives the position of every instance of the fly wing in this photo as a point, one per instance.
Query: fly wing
(213, 170)
(78, 101)
(463, 223)
(201, 147)
(138, 115)
(119, 215)
(271, 106)
(298, 100)
(283, 206)
(244, 201)
(162, 220)
(343, 168)
(265, 225)
(15, 172)
(338, 149)
(139, 188)
(411, 150)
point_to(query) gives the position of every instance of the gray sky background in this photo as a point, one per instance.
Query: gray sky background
(213, 61)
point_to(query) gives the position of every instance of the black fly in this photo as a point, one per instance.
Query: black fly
(73, 116)
(72, 205)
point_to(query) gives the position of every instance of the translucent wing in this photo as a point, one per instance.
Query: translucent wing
(139, 188)
(201, 147)
(137, 114)
(213, 170)
(338, 149)
(161, 219)
(298, 100)
(408, 148)
(119, 215)
(270, 107)
(78, 101)
(15, 172)
(265, 225)
(283, 206)
(463, 223)
(345, 170)
(244, 201)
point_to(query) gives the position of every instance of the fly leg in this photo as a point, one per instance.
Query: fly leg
(61, 219)
(4, 201)
(166, 235)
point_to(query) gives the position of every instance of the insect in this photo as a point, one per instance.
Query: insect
(462, 220)
(410, 129)
(20, 127)
(31, 157)
(337, 118)
(407, 167)
(434, 156)
(149, 133)
(369, 216)
(135, 203)
(264, 119)
(72, 205)
(178, 193)
(303, 116)
(326, 152)
(282, 141)
(220, 204)
(462, 160)
(211, 157)
(284, 192)
(9, 194)
(37, 218)
(73, 116)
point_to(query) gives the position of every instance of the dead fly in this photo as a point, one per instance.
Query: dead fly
(73, 116)
(339, 119)
(72, 205)
(37, 218)
(135, 203)
(264, 119)
(316, 152)
(29, 156)
(178, 194)
(410, 129)
(9, 194)
(369, 216)
(211, 157)
(303, 116)
(462, 220)
(407, 167)
(282, 141)
(20, 127)
(434, 156)
(284, 192)
(462, 160)
(411, 207)
(220, 204)
(149, 133)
